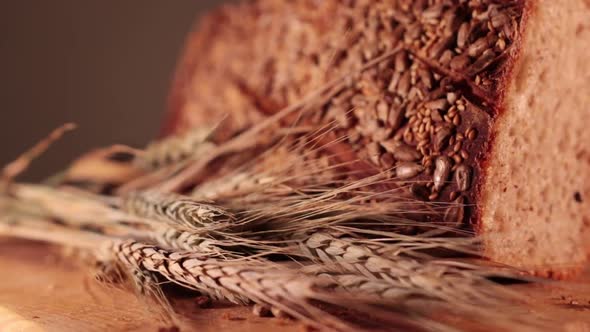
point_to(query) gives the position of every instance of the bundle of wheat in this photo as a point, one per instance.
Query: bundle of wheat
(301, 236)
(291, 212)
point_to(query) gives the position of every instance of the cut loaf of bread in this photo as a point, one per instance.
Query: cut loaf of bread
(486, 102)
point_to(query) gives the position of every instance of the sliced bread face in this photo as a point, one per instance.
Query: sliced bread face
(536, 193)
(474, 103)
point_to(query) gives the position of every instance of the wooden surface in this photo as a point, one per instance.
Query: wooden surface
(41, 292)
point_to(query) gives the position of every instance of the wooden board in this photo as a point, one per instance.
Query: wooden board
(41, 292)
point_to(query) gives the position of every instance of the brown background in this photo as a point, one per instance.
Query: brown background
(104, 64)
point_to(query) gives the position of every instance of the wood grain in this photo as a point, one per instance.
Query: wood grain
(41, 292)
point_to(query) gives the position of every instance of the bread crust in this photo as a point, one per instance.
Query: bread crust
(486, 101)
(504, 78)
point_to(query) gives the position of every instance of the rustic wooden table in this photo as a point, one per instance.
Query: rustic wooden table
(40, 292)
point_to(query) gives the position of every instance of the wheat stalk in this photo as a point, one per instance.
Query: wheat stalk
(19, 165)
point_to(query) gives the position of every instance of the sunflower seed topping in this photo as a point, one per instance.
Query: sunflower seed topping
(442, 170)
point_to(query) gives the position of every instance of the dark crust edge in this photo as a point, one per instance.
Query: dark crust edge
(498, 110)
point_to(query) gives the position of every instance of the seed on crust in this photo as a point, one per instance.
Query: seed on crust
(463, 177)
(404, 152)
(471, 133)
(460, 62)
(382, 109)
(395, 118)
(406, 170)
(442, 170)
(387, 160)
(441, 137)
(401, 62)
(438, 104)
(463, 34)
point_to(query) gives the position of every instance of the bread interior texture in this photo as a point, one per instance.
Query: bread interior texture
(536, 196)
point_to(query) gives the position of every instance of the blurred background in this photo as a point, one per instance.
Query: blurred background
(105, 65)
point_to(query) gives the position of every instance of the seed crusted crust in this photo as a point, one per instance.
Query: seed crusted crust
(426, 112)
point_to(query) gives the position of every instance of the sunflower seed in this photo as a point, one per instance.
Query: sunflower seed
(387, 160)
(401, 62)
(396, 116)
(441, 138)
(481, 45)
(382, 109)
(450, 22)
(436, 49)
(442, 170)
(499, 20)
(406, 170)
(455, 214)
(404, 84)
(425, 77)
(435, 115)
(401, 17)
(392, 87)
(446, 57)
(405, 152)
(433, 12)
(463, 34)
(438, 104)
(463, 177)
(482, 62)
(413, 32)
(471, 133)
(460, 62)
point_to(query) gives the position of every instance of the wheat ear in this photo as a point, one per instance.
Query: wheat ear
(176, 210)
(240, 283)
(428, 277)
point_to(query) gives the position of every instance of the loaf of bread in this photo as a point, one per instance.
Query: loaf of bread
(481, 103)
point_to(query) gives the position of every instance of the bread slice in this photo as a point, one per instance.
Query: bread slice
(536, 192)
(478, 103)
